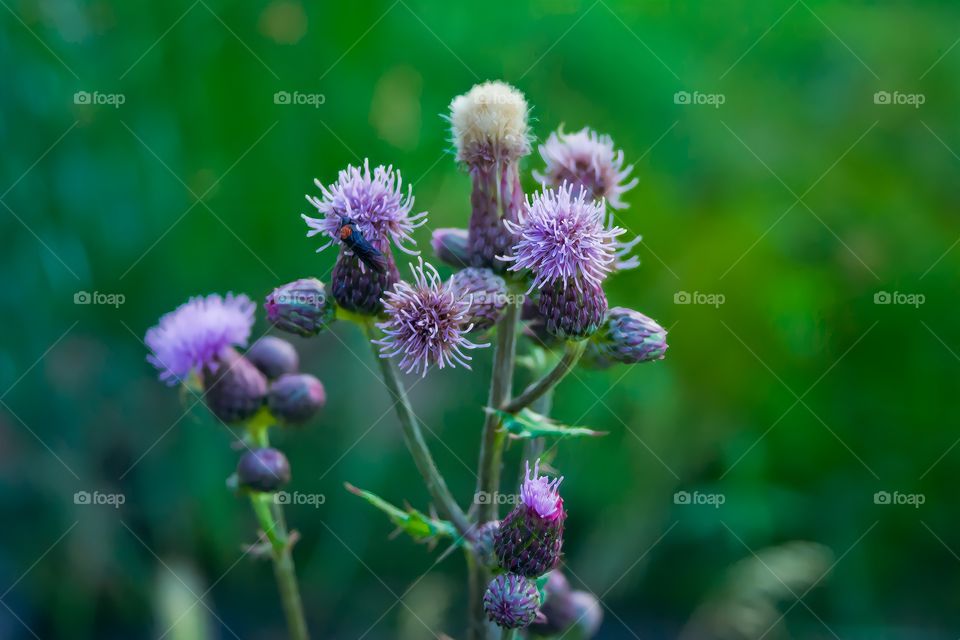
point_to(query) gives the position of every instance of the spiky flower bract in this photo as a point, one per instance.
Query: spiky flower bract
(427, 322)
(487, 293)
(374, 201)
(301, 307)
(589, 161)
(195, 335)
(530, 538)
(512, 601)
(490, 134)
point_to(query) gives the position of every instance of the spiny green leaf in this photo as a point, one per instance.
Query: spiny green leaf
(530, 424)
(417, 524)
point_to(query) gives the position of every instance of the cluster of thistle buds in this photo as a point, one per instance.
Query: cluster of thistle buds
(197, 345)
(552, 249)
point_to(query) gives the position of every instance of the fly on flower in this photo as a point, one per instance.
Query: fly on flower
(351, 236)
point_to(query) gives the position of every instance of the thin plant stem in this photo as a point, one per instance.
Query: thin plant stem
(270, 516)
(413, 437)
(533, 448)
(501, 384)
(571, 356)
(508, 634)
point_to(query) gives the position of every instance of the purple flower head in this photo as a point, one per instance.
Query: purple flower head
(563, 238)
(587, 160)
(197, 333)
(427, 323)
(374, 201)
(541, 494)
(512, 601)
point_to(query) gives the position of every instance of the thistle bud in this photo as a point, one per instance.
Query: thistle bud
(273, 356)
(571, 311)
(491, 133)
(236, 389)
(565, 610)
(626, 336)
(483, 542)
(487, 293)
(295, 397)
(301, 307)
(529, 539)
(450, 246)
(358, 288)
(263, 470)
(512, 601)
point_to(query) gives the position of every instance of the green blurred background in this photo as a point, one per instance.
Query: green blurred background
(797, 399)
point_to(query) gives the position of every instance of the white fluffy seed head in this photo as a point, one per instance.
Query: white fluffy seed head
(489, 123)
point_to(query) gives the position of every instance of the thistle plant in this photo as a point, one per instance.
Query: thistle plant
(549, 252)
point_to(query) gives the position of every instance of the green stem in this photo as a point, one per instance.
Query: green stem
(570, 357)
(270, 516)
(501, 384)
(413, 437)
(508, 634)
(271, 521)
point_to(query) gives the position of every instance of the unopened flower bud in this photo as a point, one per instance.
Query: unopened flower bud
(565, 610)
(236, 389)
(626, 336)
(450, 246)
(487, 293)
(572, 312)
(512, 601)
(295, 397)
(273, 356)
(301, 307)
(483, 542)
(263, 470)
(529, 539)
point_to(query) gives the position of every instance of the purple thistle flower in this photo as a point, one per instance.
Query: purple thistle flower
(427, 323)
(626, 336)
(563, 239)
(541, 494)
(512, 601)
(587, 160)
(374, 201)
(530, 538)
(197, 334)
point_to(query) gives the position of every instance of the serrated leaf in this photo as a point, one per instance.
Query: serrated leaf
(528, 424)
(416, 524)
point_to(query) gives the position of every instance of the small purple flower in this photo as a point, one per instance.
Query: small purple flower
(512, 601)
(542, 494)
(588, 161)
(427, 323)
(195, 335)
(374, 201)
(530, 538)
(563, 239)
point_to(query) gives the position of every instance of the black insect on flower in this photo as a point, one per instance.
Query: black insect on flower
(351, 236)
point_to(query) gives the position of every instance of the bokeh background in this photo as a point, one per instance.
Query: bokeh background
(796, 203)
